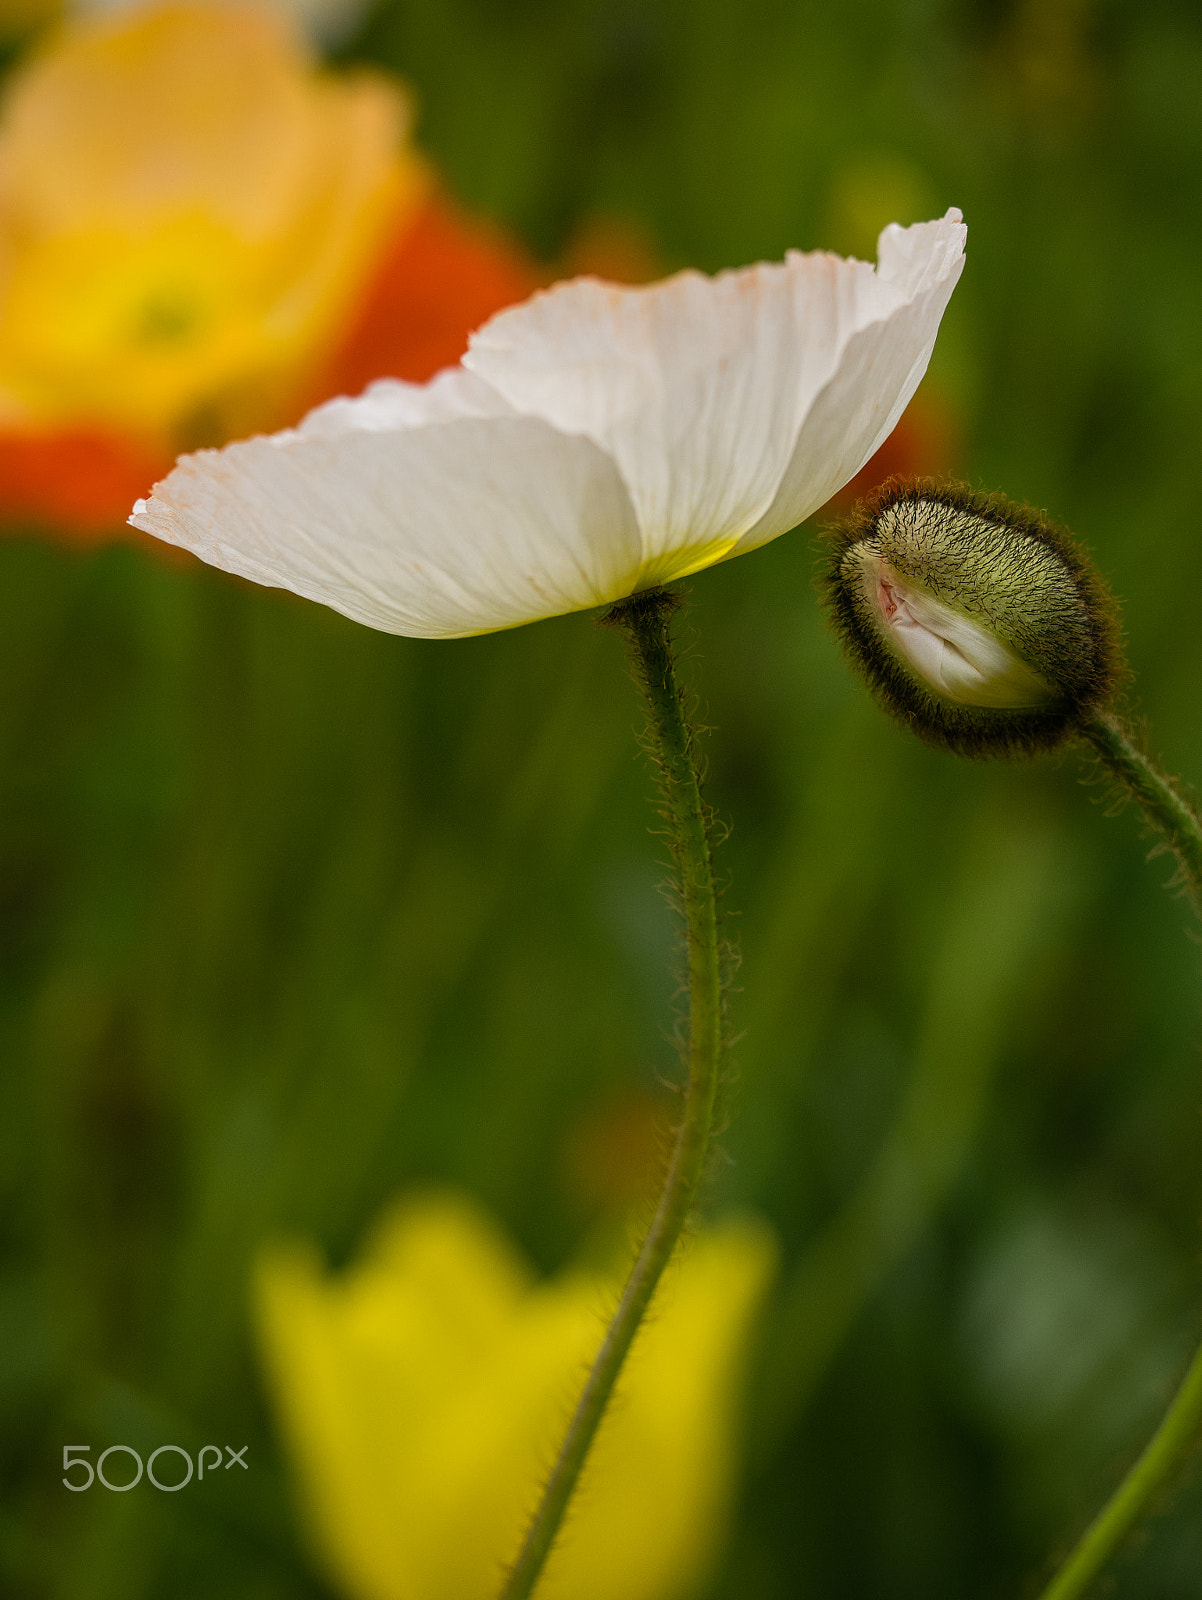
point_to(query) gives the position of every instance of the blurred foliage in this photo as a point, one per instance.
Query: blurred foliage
(294, 916)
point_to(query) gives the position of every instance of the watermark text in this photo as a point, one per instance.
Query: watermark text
(174, 1471)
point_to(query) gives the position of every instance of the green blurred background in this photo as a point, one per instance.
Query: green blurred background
(294, 916)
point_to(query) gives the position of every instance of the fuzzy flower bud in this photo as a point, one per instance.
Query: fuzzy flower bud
(978, 622)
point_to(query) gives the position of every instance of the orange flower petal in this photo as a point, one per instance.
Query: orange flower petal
(442, 276)
(79, 485)
(922, 445)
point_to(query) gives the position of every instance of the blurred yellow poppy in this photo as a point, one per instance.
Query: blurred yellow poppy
(425, 1392)
(200, 236)
(187, 210)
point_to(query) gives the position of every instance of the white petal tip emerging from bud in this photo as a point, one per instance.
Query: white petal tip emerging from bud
(954, 656)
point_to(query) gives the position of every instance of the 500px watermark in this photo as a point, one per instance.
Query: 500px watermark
(208, 1457)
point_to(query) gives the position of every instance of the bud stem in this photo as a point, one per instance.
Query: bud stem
(1177, 1431)
(1166, 810)
(671, 742)
(1161, 800)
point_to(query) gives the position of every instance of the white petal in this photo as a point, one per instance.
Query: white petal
(958, 657)
(439, 531)
(391, 403)
(878, 371)
(700, 387)
(970, 664)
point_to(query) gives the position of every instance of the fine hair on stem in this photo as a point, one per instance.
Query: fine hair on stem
(671, 741)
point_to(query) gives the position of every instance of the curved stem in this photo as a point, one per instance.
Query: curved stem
(1165, 807)
(671, 744)
(1172, 1439)
(1166, 810)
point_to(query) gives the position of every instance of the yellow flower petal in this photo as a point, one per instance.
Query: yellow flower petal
(186, 211)
(425, 1393)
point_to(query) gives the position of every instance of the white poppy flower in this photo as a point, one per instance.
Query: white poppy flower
(595, 441)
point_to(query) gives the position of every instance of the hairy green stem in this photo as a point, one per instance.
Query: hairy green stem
(1177, 1431)
(671, 743)
(1166, 809)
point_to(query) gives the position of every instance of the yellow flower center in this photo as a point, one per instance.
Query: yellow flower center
(188, 211)
(127, 329)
